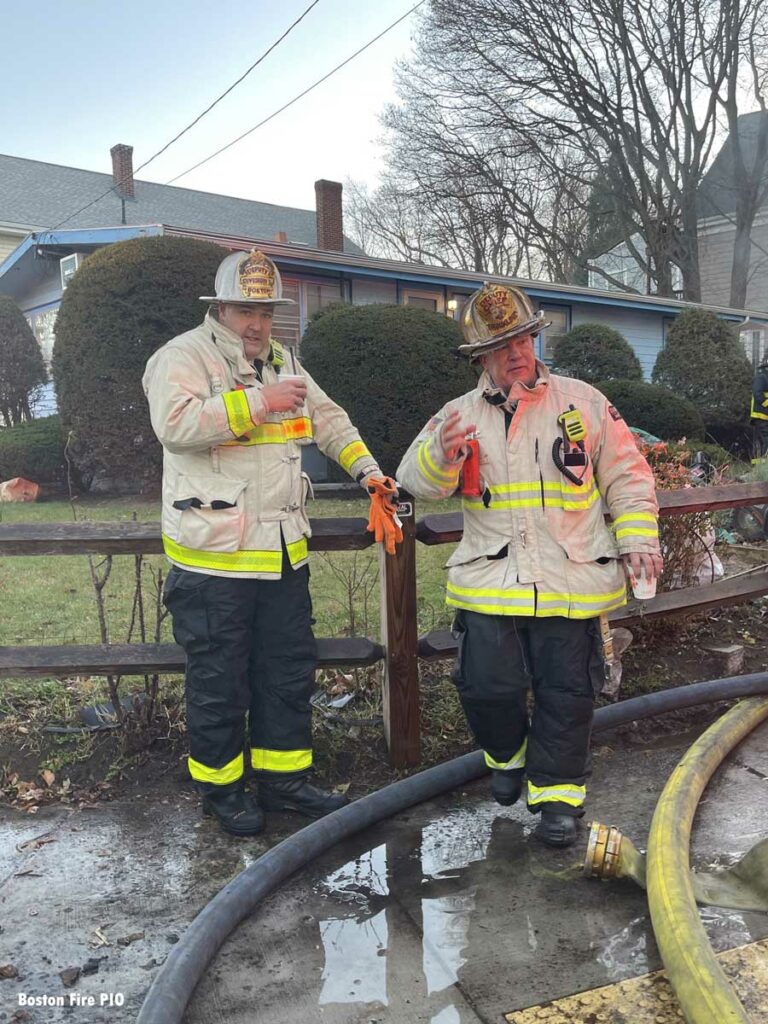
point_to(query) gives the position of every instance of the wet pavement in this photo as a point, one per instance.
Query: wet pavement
(448, 914)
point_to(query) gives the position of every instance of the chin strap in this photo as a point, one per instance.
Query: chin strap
(383, 521)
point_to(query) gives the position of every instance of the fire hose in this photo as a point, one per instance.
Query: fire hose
(174, 984)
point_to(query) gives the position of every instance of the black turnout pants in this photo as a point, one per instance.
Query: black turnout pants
(500, 657)
(250, 651)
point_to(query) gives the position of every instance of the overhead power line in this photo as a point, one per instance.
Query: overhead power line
(295, 99)
(199, 117)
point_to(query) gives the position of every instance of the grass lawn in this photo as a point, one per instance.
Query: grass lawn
(50, 600)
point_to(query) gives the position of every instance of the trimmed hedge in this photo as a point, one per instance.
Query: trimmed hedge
(594, 352)
(705, 362)
(34, 450)
(655, 409)
(390, 367)
(126, 301)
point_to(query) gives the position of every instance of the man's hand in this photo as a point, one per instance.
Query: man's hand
(639, 560)
(287, 396)
(453, 435)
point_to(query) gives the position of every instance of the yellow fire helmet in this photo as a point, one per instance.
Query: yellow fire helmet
(248, 277)
(493, 315)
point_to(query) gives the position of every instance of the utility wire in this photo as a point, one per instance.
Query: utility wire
(296, 98)
(229, 90)
(199, 117)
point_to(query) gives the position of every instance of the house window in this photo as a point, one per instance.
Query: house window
(318, 295)
(286, 323)
(425, 299)
(456, 303)
(560, 317)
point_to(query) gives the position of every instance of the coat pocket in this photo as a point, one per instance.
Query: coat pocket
(212, 516)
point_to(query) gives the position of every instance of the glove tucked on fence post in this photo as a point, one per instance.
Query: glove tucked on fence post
(383, 521)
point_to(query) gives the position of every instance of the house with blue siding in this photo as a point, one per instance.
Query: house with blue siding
(36, 272)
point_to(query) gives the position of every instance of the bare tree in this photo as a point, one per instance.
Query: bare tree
(748, 155)
(536, 100)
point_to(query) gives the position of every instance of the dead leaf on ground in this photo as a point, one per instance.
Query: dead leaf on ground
(37, 842)
(98, 938)
(9, 971)
(48, 777)
(126, 940)
(69, 976)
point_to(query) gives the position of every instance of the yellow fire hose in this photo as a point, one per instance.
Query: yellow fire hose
(702, 988)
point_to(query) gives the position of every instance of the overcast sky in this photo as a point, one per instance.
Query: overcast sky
(83, 75)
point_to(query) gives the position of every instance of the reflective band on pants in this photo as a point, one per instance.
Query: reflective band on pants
(280, 760)
(566, 794)
(516, 761)
(219, 776)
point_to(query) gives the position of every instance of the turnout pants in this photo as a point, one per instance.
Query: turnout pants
(499, 658)
(250, 652)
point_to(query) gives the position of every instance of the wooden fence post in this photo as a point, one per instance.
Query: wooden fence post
(399, 636)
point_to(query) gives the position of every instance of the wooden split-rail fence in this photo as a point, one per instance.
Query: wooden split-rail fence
(399, 647)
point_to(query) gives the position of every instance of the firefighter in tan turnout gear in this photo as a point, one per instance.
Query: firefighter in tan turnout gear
(537, 564)
(232, 407)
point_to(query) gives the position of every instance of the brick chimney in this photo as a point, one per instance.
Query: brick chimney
(122, 170)
(330, 228)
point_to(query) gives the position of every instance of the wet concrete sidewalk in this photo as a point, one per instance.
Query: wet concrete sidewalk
(448, 914)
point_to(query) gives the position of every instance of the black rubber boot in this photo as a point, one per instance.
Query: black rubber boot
(236, 810)
(556, 828)
(506, 786)
(299, 795)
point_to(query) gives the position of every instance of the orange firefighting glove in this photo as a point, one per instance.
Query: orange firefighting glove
(383, 521)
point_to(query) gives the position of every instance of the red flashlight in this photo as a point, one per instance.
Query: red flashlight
(470, 471)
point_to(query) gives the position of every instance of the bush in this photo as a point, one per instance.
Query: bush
(390, 367)
(594, 352)
(655, 409)
(22, 370)
(123, 303)
(34, 450)
(704, 361)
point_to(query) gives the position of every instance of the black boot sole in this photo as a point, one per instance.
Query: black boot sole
(233, 830)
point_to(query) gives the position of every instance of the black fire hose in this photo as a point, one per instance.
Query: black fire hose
(172, 989)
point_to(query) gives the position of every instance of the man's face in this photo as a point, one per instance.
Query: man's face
(515, 361)
(252, 322)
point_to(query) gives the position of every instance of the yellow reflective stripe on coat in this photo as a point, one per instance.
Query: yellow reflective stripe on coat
(220, 776)
(238, 412)
(299, 427)
(270, 562)
(297, 551)
(349, 455)
(516, 761)
(563, 794)
(520, 601)
(754, 414)
(280, 760)
(431, 471)
(629, 525)
(275, 433)
(527, 601)
(535, 493)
